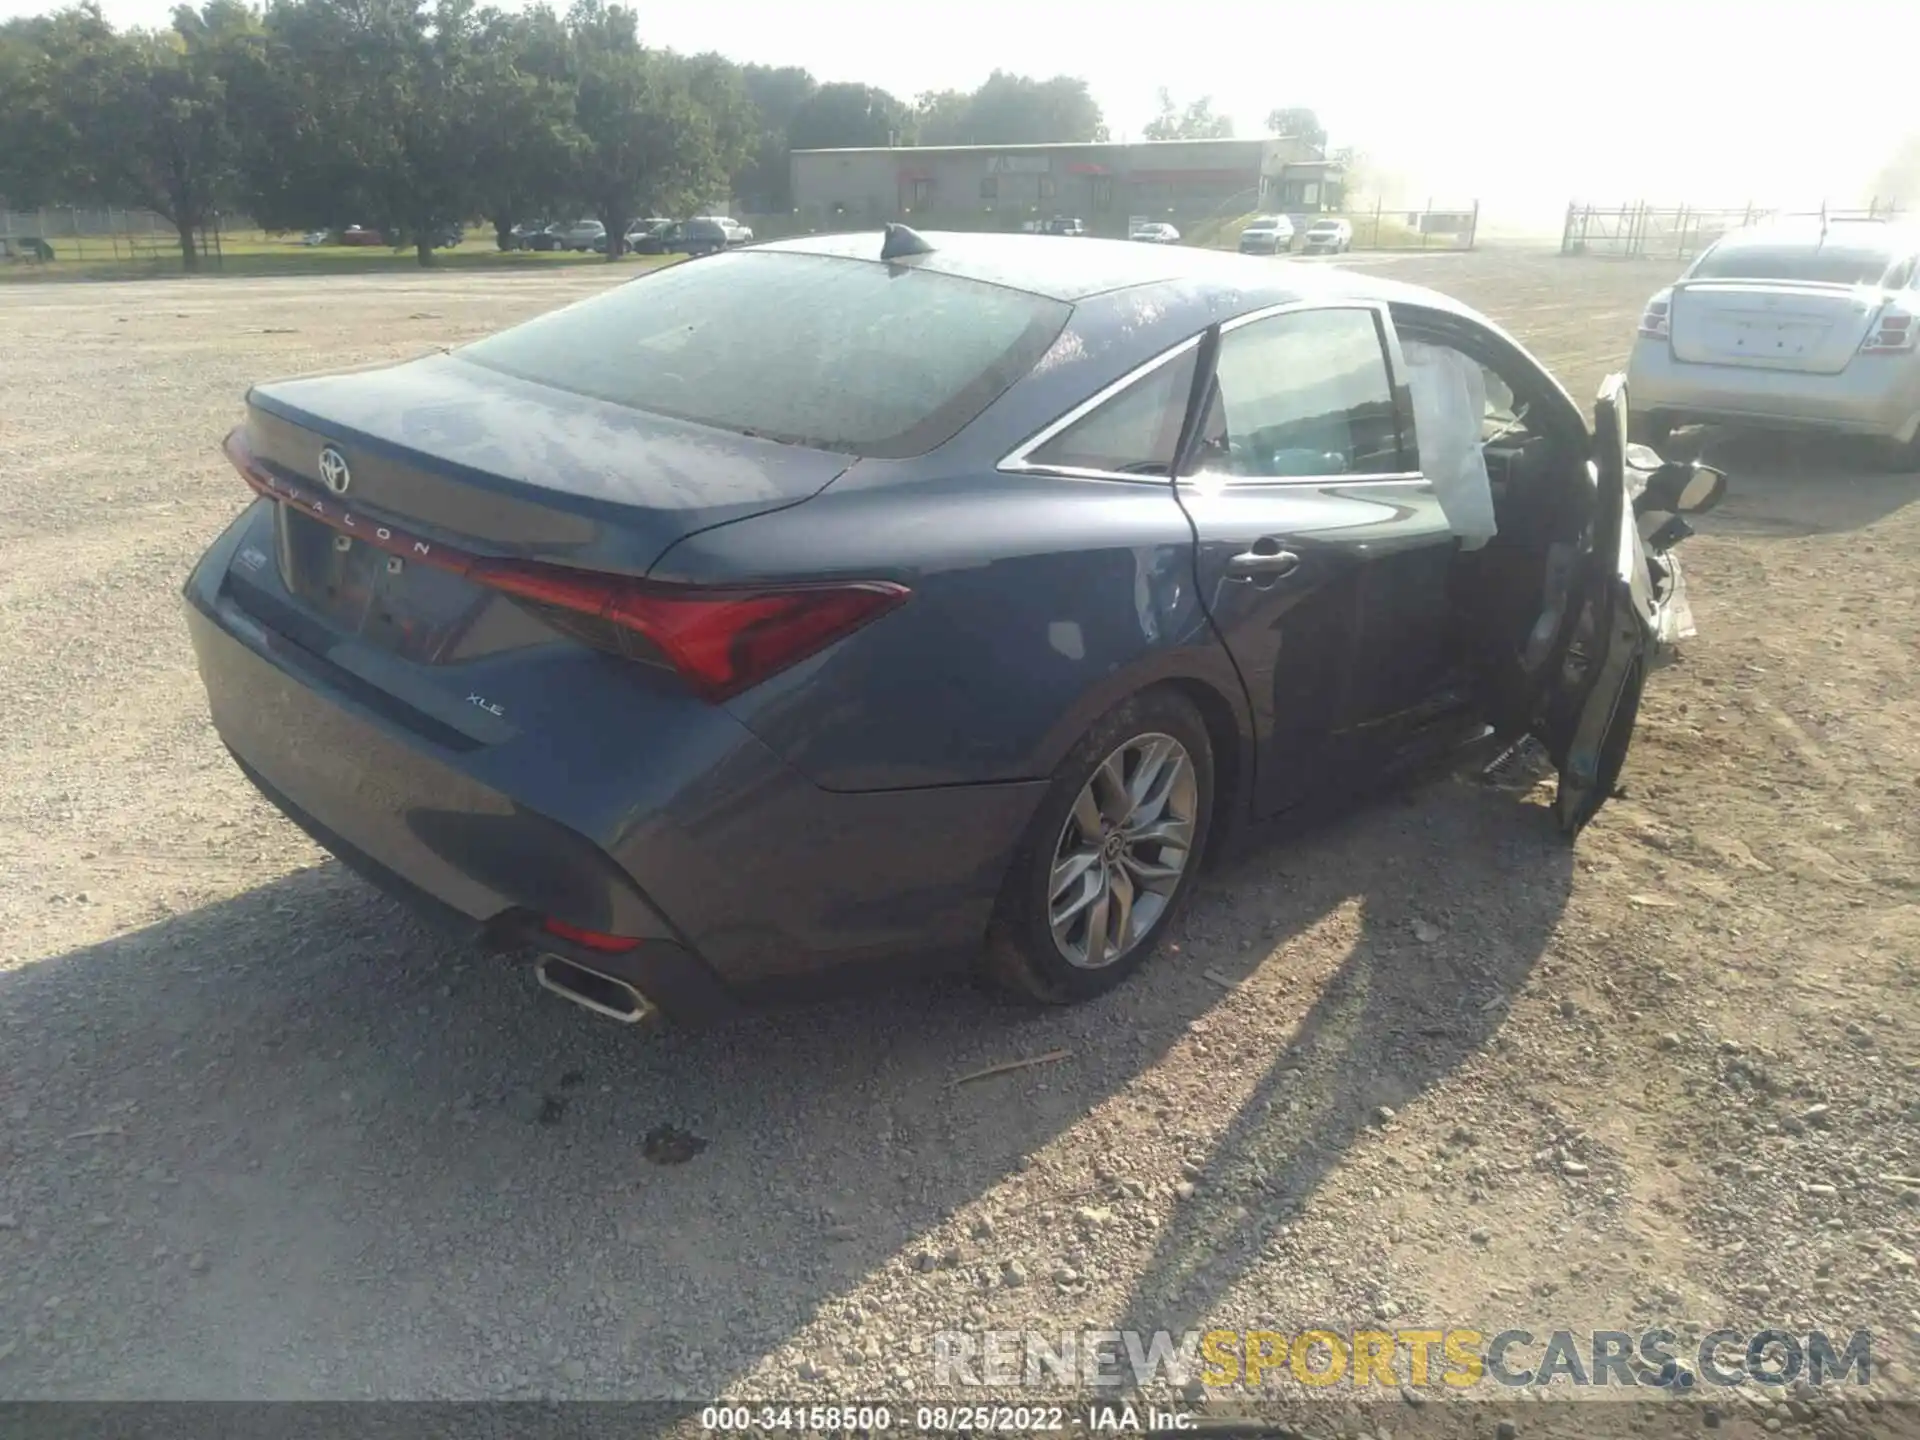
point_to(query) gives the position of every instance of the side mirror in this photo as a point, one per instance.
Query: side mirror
(1678, 488)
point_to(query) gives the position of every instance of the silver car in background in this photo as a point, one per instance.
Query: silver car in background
(1154, 232)
(1329, 236)
(1267, 235)
(1803, 325)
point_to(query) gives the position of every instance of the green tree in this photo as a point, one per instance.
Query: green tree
(1299, 123)
(524, 102)
(848, 116)
(1196, 121)
(646, 143)
(1010, 109)
(371, 110)
(943, 117)
(776, 94)
(162, 134)
(39, 144)
(1013, 109)
(734, 125)
(141, 118)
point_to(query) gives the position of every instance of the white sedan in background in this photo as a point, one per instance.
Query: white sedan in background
(1154, 232)
(1802, 325)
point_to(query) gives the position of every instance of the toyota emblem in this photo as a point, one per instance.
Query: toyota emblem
(333, 471)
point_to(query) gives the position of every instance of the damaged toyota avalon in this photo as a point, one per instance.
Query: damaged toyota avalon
(869, 600)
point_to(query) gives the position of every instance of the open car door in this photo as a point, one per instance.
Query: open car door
(1594, 674)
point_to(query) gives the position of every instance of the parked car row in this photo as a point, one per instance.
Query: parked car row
(1276, 235)
(443, 236)
(701, 235)
(559, 235)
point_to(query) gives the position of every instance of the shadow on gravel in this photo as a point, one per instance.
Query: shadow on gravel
(290, 1146)
(1455, 906)
(1789, 486)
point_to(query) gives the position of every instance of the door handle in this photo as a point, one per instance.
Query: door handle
(1268, 565)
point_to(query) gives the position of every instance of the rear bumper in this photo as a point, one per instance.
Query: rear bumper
(1875, 396)
(739, 876)
(673, 979)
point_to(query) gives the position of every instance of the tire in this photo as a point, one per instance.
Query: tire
(1901, 458)
(1023, 956)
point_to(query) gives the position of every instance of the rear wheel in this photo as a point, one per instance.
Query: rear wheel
(1110, 855)
(1901, 457)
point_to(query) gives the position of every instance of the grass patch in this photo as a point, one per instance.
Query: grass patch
(253, 254)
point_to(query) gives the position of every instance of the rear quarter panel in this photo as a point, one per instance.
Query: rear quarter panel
(1038, 603)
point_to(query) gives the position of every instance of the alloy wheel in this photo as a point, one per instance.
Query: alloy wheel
(1122, 851)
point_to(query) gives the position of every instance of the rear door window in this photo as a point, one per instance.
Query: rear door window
(1304, 393)
(825, 351)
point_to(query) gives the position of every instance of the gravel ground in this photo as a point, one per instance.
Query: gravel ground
(262, 1137)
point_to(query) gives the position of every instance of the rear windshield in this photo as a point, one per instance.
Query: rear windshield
(834, 353)
(1839, 264)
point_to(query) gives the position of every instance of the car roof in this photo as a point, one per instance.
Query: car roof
(1096, 267)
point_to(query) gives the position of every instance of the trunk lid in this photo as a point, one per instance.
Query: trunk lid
(522, 468)
(378, 472)
(1772, 325)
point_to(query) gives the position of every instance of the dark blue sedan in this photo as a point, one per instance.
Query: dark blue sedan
(859, 601)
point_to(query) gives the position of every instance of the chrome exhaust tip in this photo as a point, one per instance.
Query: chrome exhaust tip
(602, 994)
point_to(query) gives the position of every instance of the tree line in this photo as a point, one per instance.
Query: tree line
(409, 116)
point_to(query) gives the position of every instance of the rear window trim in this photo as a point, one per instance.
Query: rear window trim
(1018, 461)
(1053, 316)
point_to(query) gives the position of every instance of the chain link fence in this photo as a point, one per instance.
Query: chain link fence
(1678, 232)
(69, 232)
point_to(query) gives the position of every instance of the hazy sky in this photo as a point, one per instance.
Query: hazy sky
(1523, 105)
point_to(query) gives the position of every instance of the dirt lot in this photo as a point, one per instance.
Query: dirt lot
(1423, 1066)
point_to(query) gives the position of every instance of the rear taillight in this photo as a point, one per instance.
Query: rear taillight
(721, 641)
(1656, 321)
(1893, 333)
